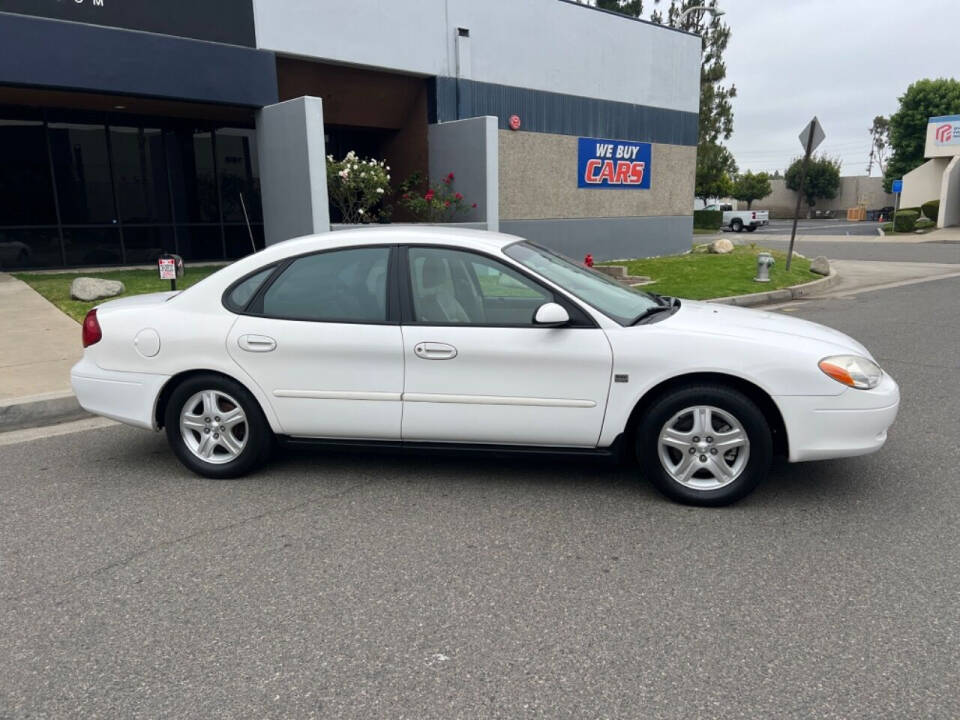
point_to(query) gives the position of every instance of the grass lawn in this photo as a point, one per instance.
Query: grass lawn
(704, 231)
(55, 287)
(701, 275)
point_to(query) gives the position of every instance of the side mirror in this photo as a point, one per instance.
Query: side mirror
(551, 315)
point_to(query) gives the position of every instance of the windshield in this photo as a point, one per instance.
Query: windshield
(616, 301)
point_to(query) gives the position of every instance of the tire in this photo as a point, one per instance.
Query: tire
(243, 440)
(736, 225)
(698, 478)
(751, 228)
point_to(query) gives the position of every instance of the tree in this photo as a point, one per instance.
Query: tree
(822, 181)
(751, 186)
(715, 165)
(633, 8)
(879, 143)
(908, 126)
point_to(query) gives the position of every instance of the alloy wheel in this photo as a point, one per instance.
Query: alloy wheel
(703, 447)
(214, 426)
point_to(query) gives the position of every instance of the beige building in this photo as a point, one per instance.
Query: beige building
(854, 190)
(939, 177)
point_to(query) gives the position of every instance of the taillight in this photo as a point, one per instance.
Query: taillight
(91, 329)
(753, 217)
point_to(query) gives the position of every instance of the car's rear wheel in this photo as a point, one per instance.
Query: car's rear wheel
(704, 445)
(216, 427)
(751, 228)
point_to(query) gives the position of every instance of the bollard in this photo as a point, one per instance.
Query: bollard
(764, 263)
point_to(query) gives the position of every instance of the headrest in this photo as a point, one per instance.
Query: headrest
(434, 273)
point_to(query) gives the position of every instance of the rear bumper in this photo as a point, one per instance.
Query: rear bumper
(852, 423)
(123, 396)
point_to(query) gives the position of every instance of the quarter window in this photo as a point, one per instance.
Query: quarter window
(341, 286)
(457, 287)
(244, 291)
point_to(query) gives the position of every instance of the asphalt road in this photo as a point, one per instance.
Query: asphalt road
(817, 227)
(362, 586)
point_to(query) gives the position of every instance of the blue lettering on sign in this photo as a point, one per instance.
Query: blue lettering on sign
(618, 164)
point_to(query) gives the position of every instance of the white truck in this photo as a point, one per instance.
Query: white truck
(740, 220)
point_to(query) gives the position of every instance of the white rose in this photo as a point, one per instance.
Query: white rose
(380, 191)
(360, 211)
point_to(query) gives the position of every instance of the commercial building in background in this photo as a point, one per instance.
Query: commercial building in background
(854, 190)
(131, 128)
(939, 177)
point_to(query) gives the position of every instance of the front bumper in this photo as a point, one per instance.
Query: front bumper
(124, 396)
(852, 423)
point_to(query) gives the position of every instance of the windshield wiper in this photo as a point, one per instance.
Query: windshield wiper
(651, 311)
(667, 304)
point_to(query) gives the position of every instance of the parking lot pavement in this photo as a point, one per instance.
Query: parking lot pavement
(818, 227)
(359, 585)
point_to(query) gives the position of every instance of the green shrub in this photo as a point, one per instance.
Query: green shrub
(924, 223)
(931, 209)
(707, 219)
(909, 209)
(906, 220)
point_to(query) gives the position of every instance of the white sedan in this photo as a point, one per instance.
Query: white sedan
(436, 337)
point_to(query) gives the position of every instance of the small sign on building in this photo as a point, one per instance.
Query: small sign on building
(617, 164)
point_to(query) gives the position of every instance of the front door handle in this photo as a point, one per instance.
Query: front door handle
(435, 351)
(257, 343)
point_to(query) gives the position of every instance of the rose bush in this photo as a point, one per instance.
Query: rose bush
(439, 203)
(357, 187)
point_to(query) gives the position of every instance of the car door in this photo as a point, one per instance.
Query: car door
(477, 369)
(322, 339)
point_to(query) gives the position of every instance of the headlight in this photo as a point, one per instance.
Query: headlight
(853, 371)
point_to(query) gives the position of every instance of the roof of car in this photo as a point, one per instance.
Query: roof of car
(422, 234)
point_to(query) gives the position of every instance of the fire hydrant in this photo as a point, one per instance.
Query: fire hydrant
(588, 260)
(764, 263)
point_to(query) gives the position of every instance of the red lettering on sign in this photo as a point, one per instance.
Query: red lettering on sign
(608, 172)
(622, 172)
(588, 174)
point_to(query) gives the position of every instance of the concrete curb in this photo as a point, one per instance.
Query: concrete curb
(37, 410)
(782, 295)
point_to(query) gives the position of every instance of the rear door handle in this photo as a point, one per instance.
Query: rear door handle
(257, 343)
(435, 351)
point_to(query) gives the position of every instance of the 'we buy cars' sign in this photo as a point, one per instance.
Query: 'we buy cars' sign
(615, 164)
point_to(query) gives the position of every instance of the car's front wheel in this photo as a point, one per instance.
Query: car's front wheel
(736, 225)
(704, 445)
(216, 427)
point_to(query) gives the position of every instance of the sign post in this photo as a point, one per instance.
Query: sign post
(810, 138)
(897, 189)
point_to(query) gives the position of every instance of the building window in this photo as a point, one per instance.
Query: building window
(85, 188)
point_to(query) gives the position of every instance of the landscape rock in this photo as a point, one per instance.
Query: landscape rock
(820, 265)
(88, 288)
(721, 246)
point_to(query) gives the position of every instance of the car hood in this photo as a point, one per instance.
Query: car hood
(758, 325)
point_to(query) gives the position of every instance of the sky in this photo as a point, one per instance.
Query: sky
(844, 61)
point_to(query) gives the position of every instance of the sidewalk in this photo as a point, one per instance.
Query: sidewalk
(40, 345)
